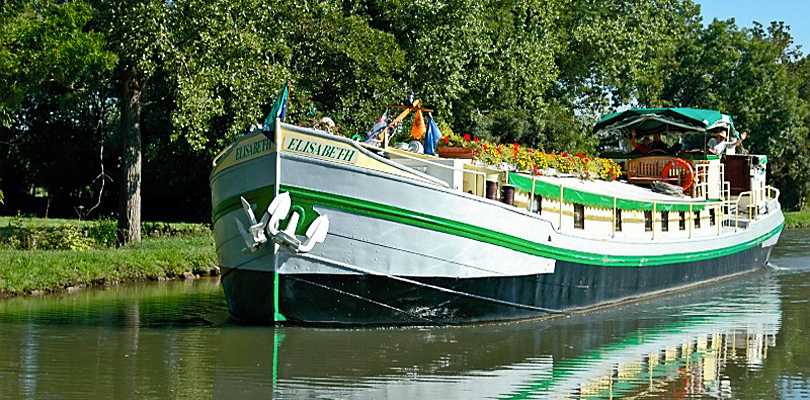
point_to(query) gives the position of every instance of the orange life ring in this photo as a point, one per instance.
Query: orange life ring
(690, 173)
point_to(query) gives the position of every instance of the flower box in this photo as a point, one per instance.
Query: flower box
(455, 152)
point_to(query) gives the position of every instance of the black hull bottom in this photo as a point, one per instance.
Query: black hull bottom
(318, 299)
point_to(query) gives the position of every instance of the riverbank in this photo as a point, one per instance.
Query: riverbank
(169, 251)
(797, 219)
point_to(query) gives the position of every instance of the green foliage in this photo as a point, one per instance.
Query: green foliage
(797, 219)
(26, 233)
(163, 229)
(46, 46)
(23, 236)
(748, 73)
(534, 72)
(103, 232)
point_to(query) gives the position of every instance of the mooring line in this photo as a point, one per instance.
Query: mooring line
(439, 288)
(343, 292)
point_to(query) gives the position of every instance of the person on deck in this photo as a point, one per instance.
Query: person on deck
(720, 146)
(658, 144)
(639, 148)
(732, 147)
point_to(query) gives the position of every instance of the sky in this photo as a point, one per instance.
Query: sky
(795, 13)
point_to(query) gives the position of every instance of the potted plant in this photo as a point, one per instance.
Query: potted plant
(455, 146)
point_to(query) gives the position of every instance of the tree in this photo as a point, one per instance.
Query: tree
(51, 65)
(745, 73)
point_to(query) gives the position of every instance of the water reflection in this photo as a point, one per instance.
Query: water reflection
(740, 339)
(663, 348)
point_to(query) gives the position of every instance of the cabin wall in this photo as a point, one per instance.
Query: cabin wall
(599, 222)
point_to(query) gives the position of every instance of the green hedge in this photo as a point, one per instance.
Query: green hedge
(22, 233)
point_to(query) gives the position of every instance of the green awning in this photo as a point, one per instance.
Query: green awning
(552, 191)
(645, 120)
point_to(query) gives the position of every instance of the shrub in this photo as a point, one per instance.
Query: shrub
(65, 237)
(104, 232)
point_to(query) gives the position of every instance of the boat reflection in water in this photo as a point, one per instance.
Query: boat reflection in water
(675, 346)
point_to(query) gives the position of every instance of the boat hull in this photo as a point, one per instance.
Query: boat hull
(354, 299)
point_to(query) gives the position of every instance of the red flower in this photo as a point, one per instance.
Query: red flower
(476, 140)
(516, 145)
(579, 155)
(446, 140)
(486, 147)
(500, 152)
(564, 154)
(467, 137)
(585, 159)
(530, 151)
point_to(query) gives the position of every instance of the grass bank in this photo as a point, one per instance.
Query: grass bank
(797, 219)
(161, 255)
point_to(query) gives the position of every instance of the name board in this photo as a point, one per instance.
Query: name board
(322, 149)
(248, 149)
(252, 148)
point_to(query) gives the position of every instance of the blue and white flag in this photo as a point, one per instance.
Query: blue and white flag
(279, 111)
(432, 137)
(378, 127)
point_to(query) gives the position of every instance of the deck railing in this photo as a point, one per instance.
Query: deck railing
(403, 154)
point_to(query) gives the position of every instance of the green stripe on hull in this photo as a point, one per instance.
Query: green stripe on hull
(309, 198)
(277, 316)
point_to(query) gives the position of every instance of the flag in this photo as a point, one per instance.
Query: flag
(433, 136)
(279, 110)
(378, 127)
(418, 129)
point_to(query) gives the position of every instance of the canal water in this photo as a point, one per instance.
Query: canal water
(745, 338)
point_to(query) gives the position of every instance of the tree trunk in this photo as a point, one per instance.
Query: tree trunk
(129, 214)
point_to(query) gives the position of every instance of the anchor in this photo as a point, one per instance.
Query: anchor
(277, 211)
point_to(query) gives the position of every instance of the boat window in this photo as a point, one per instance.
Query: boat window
(648, 221)
(712, 219)
(538, 205)
(579, 216)
(618, 220)
(682, 221)
(697, 219)
(664, 221)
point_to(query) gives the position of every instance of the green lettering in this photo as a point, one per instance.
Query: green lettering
(332, 152)
(310, 148)
(349, 155)
(292, 142)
